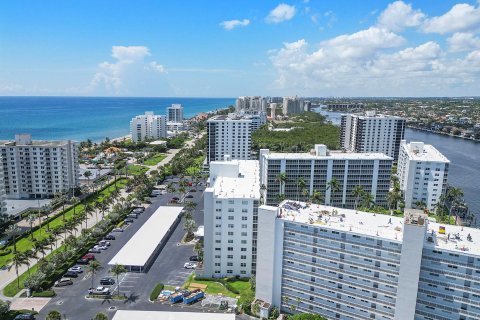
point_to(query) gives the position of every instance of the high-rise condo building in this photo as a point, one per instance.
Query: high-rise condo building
(423, 172)
(372, 133)
(251, 104)
(35, 169)
(175, 113)
(231, 207)
(148, 126)
(229, 135)
(345, 264)
(333, 175)
(292, 105)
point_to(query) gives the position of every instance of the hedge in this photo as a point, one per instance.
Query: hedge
(156, 291)
(44, 294)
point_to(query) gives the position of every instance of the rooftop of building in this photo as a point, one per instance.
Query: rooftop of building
(373, 115)
(438, 235)
(230, 183)
(320, 152)
(230, 117)
(24, 140)
(420, 151)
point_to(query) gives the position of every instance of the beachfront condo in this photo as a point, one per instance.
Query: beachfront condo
(34, 169)
(148, 126)
(346, 264)
(372, 133)
(329, 175)
(423, 172)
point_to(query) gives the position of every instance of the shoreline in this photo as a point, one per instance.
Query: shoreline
(442, 133)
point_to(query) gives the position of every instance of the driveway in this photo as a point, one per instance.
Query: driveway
(167, 268)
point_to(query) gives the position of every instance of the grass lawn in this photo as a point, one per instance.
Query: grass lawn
(136, 170)
(196, 166)
(155, 159)
(215, 288)
(41, 233)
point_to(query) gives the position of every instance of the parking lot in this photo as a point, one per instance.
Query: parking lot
(167, 268)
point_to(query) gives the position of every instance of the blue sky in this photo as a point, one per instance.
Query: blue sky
(232, 48)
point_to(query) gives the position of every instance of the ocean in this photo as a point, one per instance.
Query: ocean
(81, 118)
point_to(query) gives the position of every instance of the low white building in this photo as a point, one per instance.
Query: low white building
(140, 251)
(148, 126)
(3, 196)
(231, 206)
(34, 169)
(346, 264)
(423, 173)
(170, 315)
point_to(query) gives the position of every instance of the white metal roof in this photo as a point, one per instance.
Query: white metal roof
(169, 315)
(141, 246)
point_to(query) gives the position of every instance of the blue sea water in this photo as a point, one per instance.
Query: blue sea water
(81, 118)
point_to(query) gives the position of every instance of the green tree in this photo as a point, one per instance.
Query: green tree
(100, 316)
(334, 187)
(367, 200)
(282, 179)
(306, 316)
(300, 185)
(12, 232)
(4, 307)
(317, 197)
(198, 249)
(189, 226)
(93, 267)
(31, 219)
(357, 192)
(19, 259)
(118, 270)
(54, 315)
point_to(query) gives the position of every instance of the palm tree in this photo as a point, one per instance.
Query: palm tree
(117, 270)
(190, 205)
(46, 211)
(61, 198)
(367, 200)
(198, 249)
(334, 186)
(392, 198)
(12, 232)
(300, 184)
(88, 209)
(357, 192)
(74, 201)
(18, 260)
(29, 254)
(93, 267)
(282, 179)
(87, 174)
(317, 197)
(31, 219)
(40, 246)
(189, 226)
(182, 190)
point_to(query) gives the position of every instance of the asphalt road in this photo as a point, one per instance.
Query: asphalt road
(167, 268)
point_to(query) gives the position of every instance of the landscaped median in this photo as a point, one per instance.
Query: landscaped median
(152, 161)
(24, 243)
(18, 284)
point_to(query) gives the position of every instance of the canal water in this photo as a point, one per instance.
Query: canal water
(464, 156)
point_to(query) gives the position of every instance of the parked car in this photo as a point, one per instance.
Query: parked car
(104, 243)
(89, 256)
(70, 274)
(76, 269)
(63, 282)
(25, 316)
(117, 230)
(194, 258)
(128, 220)
(109, 237)
(132, 216)
(193, 190)
(139, 209)
(94, 250)
(189, 196)
(99, 291)
(153, 195)
(83, 261)
(176, 198)
(107, 281)
(102, 247)
(189, 265)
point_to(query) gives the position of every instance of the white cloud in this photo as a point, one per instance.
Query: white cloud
(128, 71)
(155, 66)
(363, 64)
(232, 24)
(399, 15)
(461, 17)
(460, 42)
(282, 12)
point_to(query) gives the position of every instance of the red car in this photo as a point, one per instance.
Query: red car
(89, 256)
